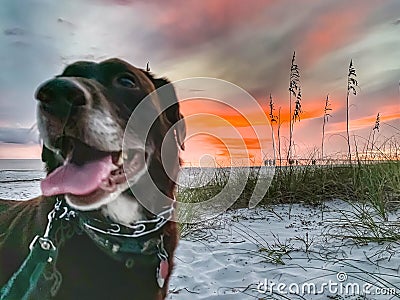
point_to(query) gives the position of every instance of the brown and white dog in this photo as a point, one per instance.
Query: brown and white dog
(82, 117)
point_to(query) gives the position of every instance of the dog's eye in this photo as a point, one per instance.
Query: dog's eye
(126, 81)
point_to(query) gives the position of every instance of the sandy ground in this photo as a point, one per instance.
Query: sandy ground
(20, 184)
(269, 253)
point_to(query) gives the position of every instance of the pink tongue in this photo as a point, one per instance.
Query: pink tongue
(77, 180)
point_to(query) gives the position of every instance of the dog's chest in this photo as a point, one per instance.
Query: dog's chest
(124, 210)
(89, 273)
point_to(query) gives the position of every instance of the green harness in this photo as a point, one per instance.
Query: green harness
(121, 242)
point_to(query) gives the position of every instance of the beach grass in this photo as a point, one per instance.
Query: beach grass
(372, 188)
(376, 183)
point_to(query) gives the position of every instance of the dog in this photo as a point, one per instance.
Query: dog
(82, 116)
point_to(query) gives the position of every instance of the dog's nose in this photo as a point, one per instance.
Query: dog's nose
(60, 91)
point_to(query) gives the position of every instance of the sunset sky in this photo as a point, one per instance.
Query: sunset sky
(246, 43)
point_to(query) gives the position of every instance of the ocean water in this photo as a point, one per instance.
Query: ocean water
(20, 178)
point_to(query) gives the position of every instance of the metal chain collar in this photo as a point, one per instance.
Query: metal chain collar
(136, 230)
(113, 238)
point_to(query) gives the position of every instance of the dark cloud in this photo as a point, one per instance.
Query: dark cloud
(19, 135)
(64, 21)
(16, 31)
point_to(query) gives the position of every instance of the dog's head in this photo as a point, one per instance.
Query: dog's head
(82, 117)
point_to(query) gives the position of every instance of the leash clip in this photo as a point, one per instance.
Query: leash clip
(44, 241)
(45, 244)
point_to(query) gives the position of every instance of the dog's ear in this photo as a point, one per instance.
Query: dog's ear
(168, 96)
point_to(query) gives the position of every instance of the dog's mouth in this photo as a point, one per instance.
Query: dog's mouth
(90, 178)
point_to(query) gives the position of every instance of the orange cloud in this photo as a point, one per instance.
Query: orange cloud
(220, 120)
(224, 149)
(217, 115)
(365, 122)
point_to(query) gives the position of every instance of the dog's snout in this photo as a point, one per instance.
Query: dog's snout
(60, 91)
